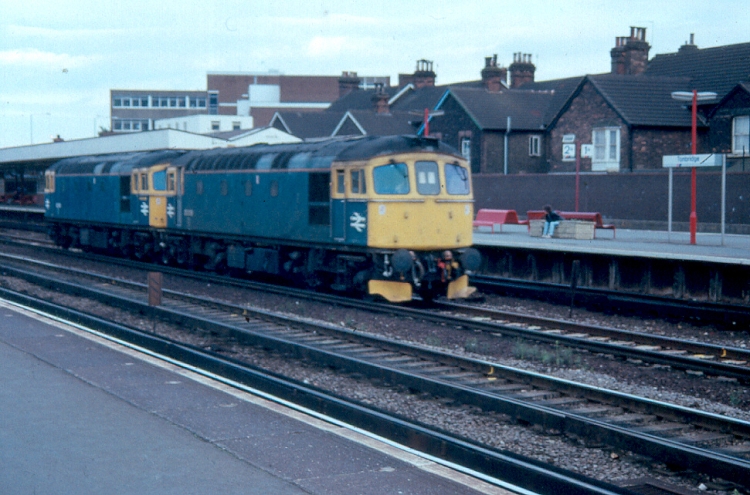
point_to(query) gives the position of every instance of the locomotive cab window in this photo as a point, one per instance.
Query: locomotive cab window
(357, 181)
(160, 180)
(456, 179)
(392, 178)
(144, 182)
(172, 181)
(428, 182)
(340, 182)
(49, 182)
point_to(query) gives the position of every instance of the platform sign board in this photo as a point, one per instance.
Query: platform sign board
(587, 151)
(682, 161)
(569, 152)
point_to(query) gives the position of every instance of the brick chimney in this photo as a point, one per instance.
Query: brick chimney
(380, 100)
(630, 54)
(423, 75)
(689, 47)
(348, 82)
(521, 70)
(493, 77)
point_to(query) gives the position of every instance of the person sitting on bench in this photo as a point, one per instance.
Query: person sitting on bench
(551, 220)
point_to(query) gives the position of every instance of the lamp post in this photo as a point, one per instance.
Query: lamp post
(693, 97)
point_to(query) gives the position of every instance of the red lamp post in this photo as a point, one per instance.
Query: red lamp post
(693, 97)
(693, 187)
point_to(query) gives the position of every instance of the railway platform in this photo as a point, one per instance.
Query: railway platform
(642, 243)
(659, 263)
(80, 414)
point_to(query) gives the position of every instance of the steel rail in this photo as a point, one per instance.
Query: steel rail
(668, 450)
(507, 467)
(731, 315)
(676, 361)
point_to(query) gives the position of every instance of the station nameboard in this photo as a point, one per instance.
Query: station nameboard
(709, 160)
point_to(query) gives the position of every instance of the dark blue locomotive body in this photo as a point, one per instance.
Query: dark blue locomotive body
(380, 214)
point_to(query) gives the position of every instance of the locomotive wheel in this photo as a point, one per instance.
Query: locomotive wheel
(429, 292)
(165, 257)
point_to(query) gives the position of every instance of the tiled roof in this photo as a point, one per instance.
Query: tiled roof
(306, 125)
(359, 99)
(716, 69)
(490, 111)
(562, 90)
(393, 123)
(644, 100)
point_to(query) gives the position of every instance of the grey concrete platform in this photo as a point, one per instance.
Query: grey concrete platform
(81, 415)
(735, 249)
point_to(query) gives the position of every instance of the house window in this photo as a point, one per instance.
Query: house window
(118, 102)
(534, 148)
(215, 125)
(213, 103)
(606, 149)
(235, 126)
(466, 149)
(741, 135)
(197, 102)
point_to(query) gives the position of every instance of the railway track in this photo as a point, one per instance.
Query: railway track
(731, 316)
(637, 347)
(679, 354)
(681, 437)
(611, 301)
(682, 354)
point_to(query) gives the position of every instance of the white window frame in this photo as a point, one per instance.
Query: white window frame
(535, 145)
(606, 141)
(466, 148)
(741, 135)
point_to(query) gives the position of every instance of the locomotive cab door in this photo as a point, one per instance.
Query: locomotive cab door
(349, 206)
(338, 205)
(153, 186)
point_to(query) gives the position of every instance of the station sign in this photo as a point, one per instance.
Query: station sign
(681, 161)
(569, 152)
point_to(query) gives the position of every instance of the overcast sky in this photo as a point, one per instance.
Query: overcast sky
(59, 59)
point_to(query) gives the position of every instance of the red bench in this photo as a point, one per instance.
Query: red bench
(575, 215)
(490, 218)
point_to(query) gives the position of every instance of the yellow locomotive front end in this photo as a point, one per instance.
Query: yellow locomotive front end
(420, 211)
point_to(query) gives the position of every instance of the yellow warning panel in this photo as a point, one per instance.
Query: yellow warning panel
(391, 291)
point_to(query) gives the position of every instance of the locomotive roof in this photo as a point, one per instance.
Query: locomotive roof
(316, 154)
(114, 164)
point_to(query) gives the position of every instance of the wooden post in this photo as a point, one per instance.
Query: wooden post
(154, 288)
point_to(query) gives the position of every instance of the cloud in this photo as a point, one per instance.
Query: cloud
(32, 57)
(61, 34)
(325, 46)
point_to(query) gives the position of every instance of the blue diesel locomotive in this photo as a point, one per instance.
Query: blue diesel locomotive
(382, 215)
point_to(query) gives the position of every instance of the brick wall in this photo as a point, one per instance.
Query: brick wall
(635, 199)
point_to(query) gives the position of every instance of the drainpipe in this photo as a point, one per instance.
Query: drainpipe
(505, 147)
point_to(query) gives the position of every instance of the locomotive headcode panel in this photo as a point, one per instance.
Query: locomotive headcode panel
(388, 216)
